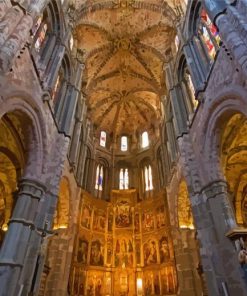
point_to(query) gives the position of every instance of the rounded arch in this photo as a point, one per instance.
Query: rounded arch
(218, 113)
(195, 7)
(34, 129)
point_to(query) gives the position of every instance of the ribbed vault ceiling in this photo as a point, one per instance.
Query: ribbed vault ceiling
(124, 46)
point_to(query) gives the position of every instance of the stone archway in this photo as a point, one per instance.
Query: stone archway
(234, 164)
(12, 163)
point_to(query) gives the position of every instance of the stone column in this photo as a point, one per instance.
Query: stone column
(187, 261)
(214, 217)
(18, 236)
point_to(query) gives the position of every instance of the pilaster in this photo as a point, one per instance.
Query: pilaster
(21, 227)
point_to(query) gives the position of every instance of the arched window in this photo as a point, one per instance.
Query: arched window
(124, 179)
(206, 39)
(58, 84)
(148, 178)
(177, 42)
(186, 93)
(209, 34)
(102, 140)
(99, 177)
(190, 90)
(145, 140)
(124, 143)
(61, 94)
(39, 31)
(46, 29)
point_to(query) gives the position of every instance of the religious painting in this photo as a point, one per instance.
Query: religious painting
(108, 283)
(109, 250)
(150, 252)
(82, 251)
(110, 221)
(160, 216)
(95, 284)
(86, 216)
(148, 285)
(96, 256)
(123, 215)
(148, 221)
(76, 282)
(164, 283)
(124, 253)
(99, 220)
(168, 281)
(171, 280)
(90, 287)
(156, 284)
(82, 280)
(164, 249)
(138, 252)
(98, 287)
(137, 223)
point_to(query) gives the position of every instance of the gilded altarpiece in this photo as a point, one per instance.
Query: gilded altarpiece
(123, 247)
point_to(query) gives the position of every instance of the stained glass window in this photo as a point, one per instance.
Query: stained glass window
(209, 34)
(145, 140)
(37, 25)
(42, 30)
(99, 178)
(148, 178)
(58, 84)
(102, 139)
(124, 179)
(124, 143)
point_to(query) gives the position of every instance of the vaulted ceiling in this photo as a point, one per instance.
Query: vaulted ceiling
(124, 44)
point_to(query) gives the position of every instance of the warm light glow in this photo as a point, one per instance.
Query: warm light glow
(124, 179)
(139, 286)
(145, 140)
(191, 226)
(5, 227)
(62, 226)
(102, 141)
(124, 143)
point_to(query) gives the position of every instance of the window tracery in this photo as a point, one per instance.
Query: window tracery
(124, 178)
(124, 143)
(99, 177)
(209, 33)
(148, 178)
(102, 139)
(40, 32)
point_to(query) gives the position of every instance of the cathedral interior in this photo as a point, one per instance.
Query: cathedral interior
(123, 147)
